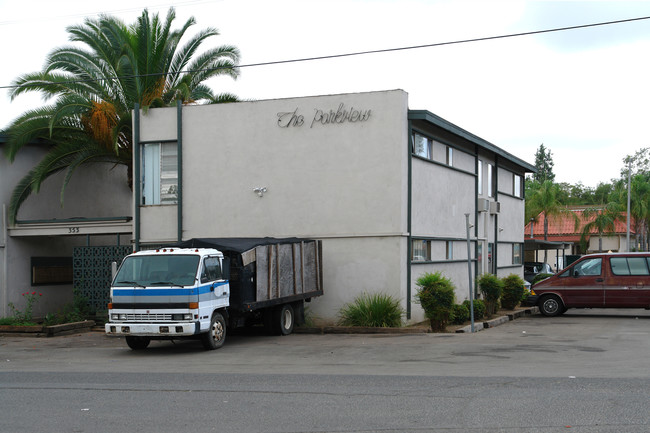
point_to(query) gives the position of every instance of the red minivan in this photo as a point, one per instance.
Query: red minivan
(607, 280)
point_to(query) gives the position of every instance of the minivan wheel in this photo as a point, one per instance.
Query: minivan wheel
(551, 306)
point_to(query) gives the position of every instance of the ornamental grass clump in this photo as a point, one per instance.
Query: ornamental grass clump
(436, 296)
(375, 310)
(513, 290)
(491, 287)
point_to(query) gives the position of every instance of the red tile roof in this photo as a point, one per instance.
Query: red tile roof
(564, 225)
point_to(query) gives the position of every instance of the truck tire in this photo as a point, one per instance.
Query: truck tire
(216, 335)
(285, 319)
(138, 343)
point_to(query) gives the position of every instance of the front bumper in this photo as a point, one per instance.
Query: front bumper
(173, 329)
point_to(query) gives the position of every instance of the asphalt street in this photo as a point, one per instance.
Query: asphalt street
(583, 372)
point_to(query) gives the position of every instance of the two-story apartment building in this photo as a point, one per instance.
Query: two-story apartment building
(386, 188)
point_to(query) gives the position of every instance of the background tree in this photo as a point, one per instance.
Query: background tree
(94, 86)
(601, 220)
(544, 202)
(544, 165)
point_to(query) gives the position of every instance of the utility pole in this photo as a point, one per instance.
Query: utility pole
(629, 189)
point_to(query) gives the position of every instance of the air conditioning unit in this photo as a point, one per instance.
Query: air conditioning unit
(495, 207)
(483, 205)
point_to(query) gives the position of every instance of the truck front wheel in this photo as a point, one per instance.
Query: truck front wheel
(216, 335)
(138, 343)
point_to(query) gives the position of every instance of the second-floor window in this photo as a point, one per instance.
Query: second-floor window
(490, 184)
(422, 146)
(517, 186)
(159, 173)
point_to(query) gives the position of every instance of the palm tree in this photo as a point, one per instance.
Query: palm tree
(544, 201)
(601, 220)
(94, 88)
(639, 203)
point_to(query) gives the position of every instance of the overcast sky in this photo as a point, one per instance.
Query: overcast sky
(583, 93)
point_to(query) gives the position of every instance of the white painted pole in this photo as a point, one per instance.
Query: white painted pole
(469, 272)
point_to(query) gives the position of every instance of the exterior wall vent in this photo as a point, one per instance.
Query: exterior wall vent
(483, 205)
(495, 207)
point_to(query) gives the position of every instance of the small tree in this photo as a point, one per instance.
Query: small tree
(513, 290)
(491, 287)
(436, 296)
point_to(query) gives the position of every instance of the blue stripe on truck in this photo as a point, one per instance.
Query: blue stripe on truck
(176, 291)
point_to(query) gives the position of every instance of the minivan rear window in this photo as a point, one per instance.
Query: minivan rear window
(629, 265)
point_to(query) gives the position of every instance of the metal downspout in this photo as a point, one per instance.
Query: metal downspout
(495, 254)
(409, 241)
(3, 246)
(179, 161)
(477, 264)
(136, 176)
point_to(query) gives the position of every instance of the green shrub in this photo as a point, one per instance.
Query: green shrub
(373, 310)
(491, 287)
(460, 314)
(525, 295)
(513, 290)
(436, 296)
(479, 308)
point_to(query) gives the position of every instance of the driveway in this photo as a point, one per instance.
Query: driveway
(594, 343)
(582, 372)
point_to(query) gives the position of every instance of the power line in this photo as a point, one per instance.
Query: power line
(361, 53)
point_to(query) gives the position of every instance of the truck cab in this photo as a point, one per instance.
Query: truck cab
(170, 293)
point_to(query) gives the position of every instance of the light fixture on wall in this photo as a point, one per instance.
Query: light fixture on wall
(259, 191)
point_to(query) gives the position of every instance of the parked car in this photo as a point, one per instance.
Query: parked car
(531, 269)
(607, 280)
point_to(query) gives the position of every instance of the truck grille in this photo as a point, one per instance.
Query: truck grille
(148, 317)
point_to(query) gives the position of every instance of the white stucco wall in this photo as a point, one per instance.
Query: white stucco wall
(344, 182)
(441, 198)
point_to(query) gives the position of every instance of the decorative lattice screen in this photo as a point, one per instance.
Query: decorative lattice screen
(91, 268)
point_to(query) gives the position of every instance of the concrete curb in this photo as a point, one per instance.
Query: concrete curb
(499, 320)
(478, 326)
(358, 330)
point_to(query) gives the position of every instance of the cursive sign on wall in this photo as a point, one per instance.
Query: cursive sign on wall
(324, 117)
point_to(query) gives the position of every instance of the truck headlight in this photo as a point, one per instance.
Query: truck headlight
(186, 316)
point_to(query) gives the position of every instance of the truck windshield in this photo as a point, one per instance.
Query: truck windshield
(157, 270)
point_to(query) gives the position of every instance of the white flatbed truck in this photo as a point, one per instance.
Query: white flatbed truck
(202, 287)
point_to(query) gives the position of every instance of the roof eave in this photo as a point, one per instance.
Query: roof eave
(428, 116)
